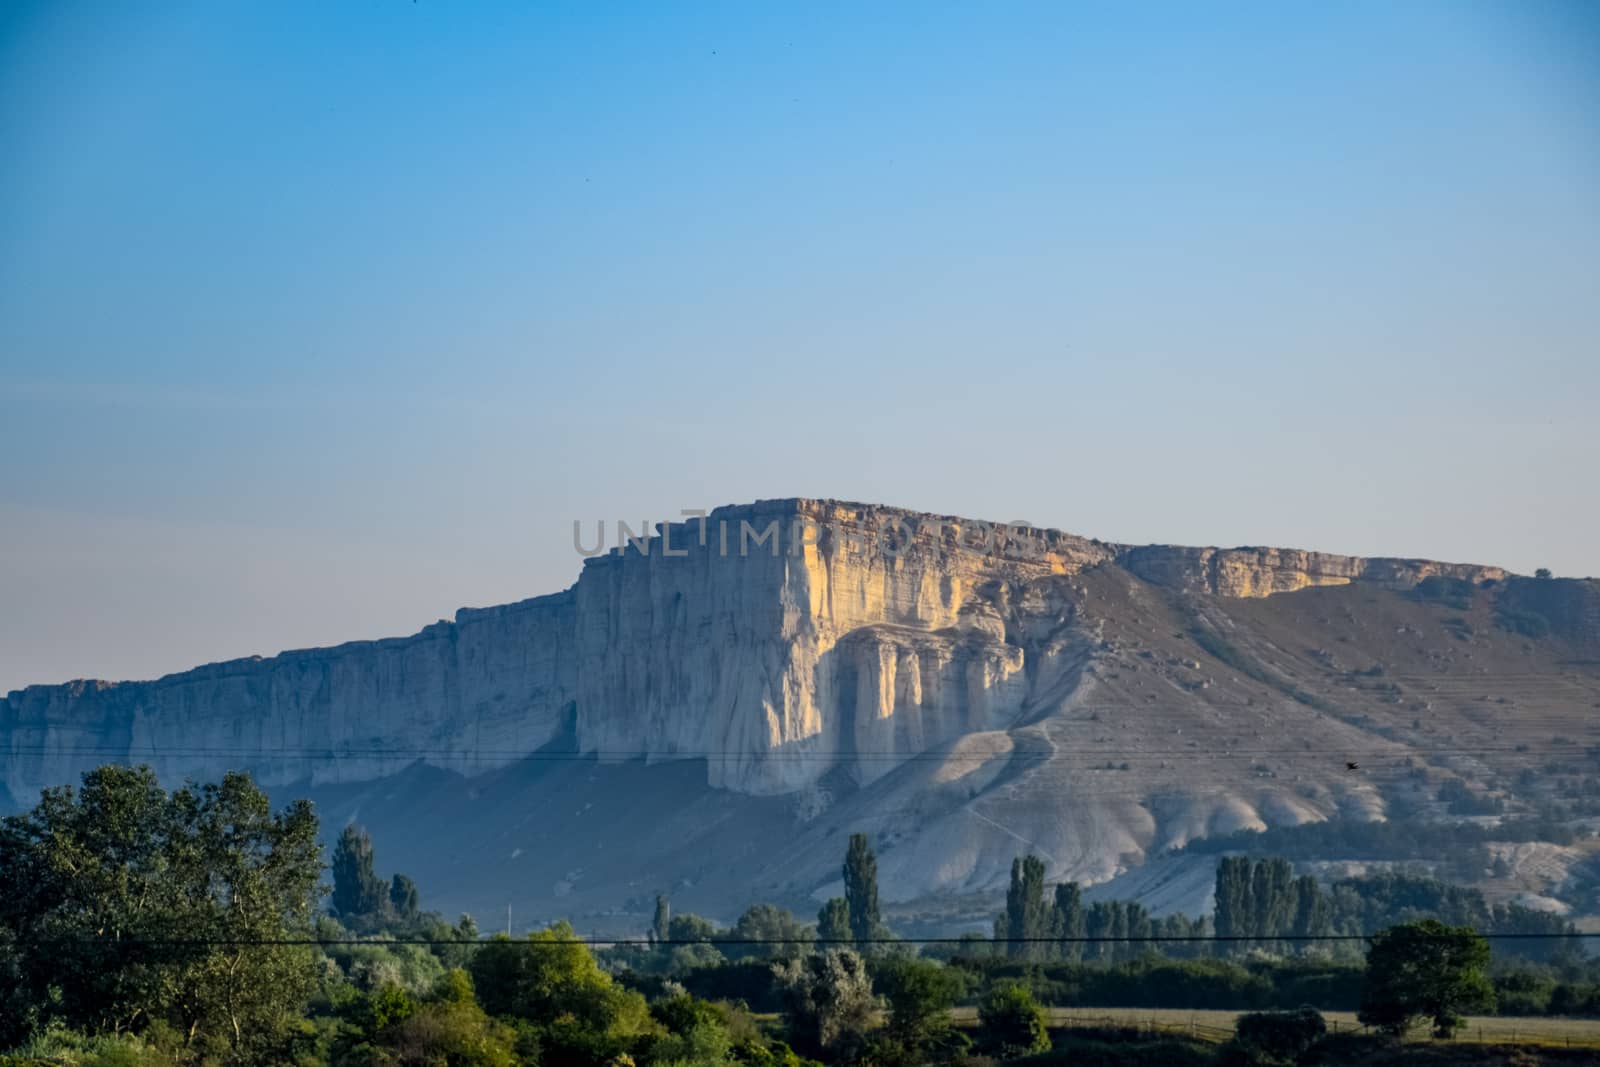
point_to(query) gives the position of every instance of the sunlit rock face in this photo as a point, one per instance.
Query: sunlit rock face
(1258, 572)
(782, 641)
(845, 637)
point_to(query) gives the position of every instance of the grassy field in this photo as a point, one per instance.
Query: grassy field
(1218, 1025)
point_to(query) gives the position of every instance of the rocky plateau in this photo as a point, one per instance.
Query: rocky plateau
(710, 710)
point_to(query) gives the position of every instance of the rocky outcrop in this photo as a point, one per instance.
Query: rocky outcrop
(485, 689)
(780, 641)
(1258, 572)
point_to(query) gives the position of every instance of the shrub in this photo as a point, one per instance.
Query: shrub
(1011, 1022)
(1271, 1038)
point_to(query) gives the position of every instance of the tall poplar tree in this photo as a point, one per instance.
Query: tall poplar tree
(357, 889)
(861, 890)
(1068, 920)
(1025, 910)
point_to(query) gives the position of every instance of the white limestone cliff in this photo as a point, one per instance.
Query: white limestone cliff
(859, 637)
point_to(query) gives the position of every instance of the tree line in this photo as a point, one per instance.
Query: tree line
(146, 928)
(1260, 906)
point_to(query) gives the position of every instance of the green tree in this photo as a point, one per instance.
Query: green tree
(1542, 572)
(1025, 910)
(780, 934)
(1312, 912)
(403, 897)
(861, 890)
(457, 943)
(128, 906)
(447, 1028)
(830, 1001)
(833, 922)
(1234, 902)
(697, 1034)
(1067, 920)
(690, 927)
(551, 981)
(1010, 1022)
(1425, 970)
(920, 994)
(357, 890)
(1273, 892)
(1100, 922)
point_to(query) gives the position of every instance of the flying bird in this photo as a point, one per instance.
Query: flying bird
(1349, 766)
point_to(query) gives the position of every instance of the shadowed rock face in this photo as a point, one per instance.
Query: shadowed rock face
(964, 692)
(780, 640)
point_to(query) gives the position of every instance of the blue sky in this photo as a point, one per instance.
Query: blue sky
(319, 321)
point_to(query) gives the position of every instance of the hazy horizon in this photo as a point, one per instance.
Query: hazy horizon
(318, 324)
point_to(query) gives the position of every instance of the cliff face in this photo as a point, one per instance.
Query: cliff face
(492, 685)
(1258, 572)
(780, 641)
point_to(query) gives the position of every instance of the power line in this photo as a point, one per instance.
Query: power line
(198, 942)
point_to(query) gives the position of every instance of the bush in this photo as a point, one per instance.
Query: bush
(1273, 1038)
(1523, 992)
(1011, 1023)
(830, 1001)
(65, 1048)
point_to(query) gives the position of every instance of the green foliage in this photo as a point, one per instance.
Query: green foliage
(830, 1001)
(1026, 918)
(693, 957)
(1260, 899)
(861, 890)
(64, 1048)
(690, 927)
(1111, 920)
(1067, 921)
(107, 895)
(750, 981)
(782, 935)
(126, 905)
(357, 889)
(833, 921)
(403, 900)
(551, 982)
(696, 1034)
(1120, 929)
(388, 1028)
(1153, 982)
(1523, 991)
(919, 995)
(1011, 1023)
(381, 962)
(1426, 969)
(1276, 1038)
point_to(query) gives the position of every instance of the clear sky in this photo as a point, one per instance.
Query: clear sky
(318, 321)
